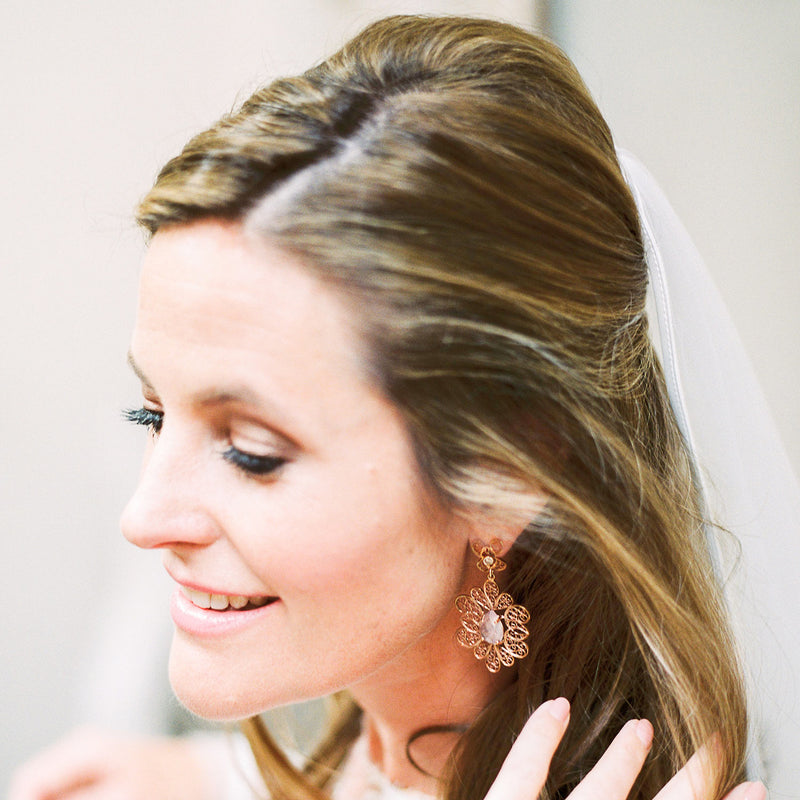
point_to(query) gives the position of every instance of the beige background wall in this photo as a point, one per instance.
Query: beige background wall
(95, 96)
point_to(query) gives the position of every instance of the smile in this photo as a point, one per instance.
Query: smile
(224, 602)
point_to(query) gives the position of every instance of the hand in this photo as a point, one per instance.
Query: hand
(525, 769)
(96, 765)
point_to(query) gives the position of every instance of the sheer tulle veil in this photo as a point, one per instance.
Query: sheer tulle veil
(751, 495)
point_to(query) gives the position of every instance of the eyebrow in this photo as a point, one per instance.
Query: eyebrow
(138, 370)
(235, 394)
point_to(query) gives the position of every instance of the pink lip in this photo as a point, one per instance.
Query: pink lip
(207, 622)
(180, 579)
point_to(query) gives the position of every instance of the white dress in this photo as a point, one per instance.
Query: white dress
(361, 779)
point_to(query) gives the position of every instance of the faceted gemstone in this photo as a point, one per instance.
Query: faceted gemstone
(491, 628)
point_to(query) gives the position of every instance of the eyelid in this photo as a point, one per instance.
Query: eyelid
(257, 438)
(250, 464)
(253, 465)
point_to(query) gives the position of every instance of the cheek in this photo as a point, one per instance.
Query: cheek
(356, 559)
(349, 539)
(360, 585)
(384, 588)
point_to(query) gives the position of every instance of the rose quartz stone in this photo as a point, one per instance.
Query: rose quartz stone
(491, 628)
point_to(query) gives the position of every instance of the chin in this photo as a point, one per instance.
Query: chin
(208, 685)
(211, 687)
(204, 694)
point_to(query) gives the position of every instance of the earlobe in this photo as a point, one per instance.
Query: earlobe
(501, 529)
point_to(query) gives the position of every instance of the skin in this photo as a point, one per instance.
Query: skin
(364, 561)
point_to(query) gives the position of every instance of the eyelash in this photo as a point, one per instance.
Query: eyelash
(247, 462)
(152, 420)
(253, 465)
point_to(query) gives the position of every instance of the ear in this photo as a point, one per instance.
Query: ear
(500, 527)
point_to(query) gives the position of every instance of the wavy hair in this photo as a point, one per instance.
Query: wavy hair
(454, 176)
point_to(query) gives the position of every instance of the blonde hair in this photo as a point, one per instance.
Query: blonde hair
(454, 176)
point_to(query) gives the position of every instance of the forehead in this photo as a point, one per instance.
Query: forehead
(218, 268)
(218, 306)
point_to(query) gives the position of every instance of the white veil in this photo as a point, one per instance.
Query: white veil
(748, 485)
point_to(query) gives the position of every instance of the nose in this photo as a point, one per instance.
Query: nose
(169, 508)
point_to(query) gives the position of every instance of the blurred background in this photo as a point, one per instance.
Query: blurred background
(96, 96)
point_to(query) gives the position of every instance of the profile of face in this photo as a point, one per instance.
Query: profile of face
(280, 484)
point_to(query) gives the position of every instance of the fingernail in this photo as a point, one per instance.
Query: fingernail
(644, 730)
(559, 708)
(755, 791)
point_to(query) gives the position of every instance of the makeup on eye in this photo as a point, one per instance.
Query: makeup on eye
(146, 417)
(250, 462)
(256, 465)
(253, 449)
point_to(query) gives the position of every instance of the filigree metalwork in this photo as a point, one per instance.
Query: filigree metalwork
(495, 639)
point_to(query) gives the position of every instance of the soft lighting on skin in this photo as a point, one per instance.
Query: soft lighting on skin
(241, 347)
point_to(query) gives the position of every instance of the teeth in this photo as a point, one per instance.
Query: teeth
(201, 599)
(219, 602)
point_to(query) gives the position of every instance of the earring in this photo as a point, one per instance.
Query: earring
(497, 640)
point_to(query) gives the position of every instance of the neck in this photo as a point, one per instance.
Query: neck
(434, 683)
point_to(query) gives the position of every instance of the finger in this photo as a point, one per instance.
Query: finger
(524, 771)
(693, 781)
(103, 790)
(747, 791)
(72, 762)
(614, 774)
(27, 784)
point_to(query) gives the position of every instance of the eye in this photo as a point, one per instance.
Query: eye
(253, 465)
(153, 420)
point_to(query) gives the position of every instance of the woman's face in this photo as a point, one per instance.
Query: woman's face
(278, 477)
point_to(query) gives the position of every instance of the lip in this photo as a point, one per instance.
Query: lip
(182, 579)
(209, 623)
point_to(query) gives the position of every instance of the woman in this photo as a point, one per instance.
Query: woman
(410, 438)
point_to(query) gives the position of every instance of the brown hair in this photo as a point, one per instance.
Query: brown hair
(455, 176)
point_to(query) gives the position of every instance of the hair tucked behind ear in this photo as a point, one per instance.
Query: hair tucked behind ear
(455, 179)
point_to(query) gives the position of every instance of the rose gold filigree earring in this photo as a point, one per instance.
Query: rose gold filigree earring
(500, 641)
